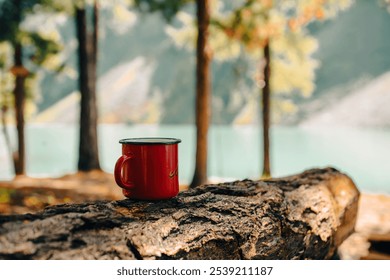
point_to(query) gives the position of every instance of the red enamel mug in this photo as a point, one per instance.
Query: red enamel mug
(148, 168)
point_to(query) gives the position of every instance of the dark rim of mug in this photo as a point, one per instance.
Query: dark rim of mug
(150, 141)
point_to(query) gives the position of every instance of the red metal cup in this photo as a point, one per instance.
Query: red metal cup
(148, 168)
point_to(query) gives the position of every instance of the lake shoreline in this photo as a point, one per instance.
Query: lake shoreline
(293, 150)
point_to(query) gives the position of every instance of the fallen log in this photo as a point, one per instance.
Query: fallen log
(305, 216)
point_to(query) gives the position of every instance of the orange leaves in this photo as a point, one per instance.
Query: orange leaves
(246, 13)
(320, 15)
(252, 34)
(316, 11)
(230, 32)
(19, 71)
(257, 21)
(311, 10)
(267, 3)
(293, 24)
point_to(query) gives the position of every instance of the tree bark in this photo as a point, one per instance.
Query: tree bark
(19, 100)
(88, 145)
(95, 35)
(266, 102)
(203, 92)
(306, 216)
(93, 53)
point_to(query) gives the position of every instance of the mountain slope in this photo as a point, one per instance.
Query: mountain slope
(368, 106)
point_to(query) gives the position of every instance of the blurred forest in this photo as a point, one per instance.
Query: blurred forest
(147, 42)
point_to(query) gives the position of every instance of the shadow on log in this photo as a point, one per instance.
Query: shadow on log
(305, 216)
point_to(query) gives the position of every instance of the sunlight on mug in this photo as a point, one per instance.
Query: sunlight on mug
(148, 168)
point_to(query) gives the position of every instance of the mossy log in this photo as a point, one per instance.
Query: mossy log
(305, 216)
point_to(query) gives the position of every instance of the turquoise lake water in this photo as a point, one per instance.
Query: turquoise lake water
(234, 152)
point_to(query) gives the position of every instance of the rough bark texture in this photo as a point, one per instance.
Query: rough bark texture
(202, 112)
(299, 217)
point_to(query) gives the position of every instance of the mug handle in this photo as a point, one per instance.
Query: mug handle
(118, 173)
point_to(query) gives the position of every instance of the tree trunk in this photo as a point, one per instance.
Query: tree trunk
(19, 100)
(306, 216)
(203, 92)
(266, 102)
(88, 146)
(93, 51)
(95, 36)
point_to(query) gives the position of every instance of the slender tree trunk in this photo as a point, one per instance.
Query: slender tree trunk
(266, 112)
(88, 146)
(203, 92)
(94, 49)
(19, 100)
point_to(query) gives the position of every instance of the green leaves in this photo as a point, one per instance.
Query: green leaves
(40, 41)
(44, 51)
(6, 78)
(41, 45)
